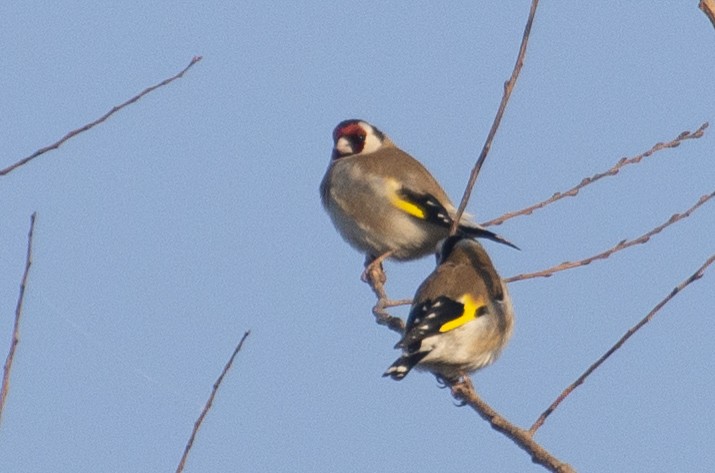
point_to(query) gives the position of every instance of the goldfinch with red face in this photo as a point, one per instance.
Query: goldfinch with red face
(382, 200)
(461, 315)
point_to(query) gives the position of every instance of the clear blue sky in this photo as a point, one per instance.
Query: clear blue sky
(194, 215)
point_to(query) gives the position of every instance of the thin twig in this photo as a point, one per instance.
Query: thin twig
(99, 120)
(708, 7)
(209, 403)
(397, 302)
(694, 277)
(620, 246)
(18, 313)
(375, 278)
(686, 135)
(508, 88)
(464, 391)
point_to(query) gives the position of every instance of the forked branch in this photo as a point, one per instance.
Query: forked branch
(694, 277)
(464, 391)
(508, 88)
(375, 277)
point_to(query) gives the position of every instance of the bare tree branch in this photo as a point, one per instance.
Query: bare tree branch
(620, 246)
(209, 403)
(686, 135)
(508, 88)
(708, 7)
(375, 277)
(464, 391)
(18, 313)
(99, 120)
(694, 277)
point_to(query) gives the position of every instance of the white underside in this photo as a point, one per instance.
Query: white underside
(464, 349)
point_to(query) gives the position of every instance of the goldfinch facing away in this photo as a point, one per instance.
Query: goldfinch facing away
(383, 200)
(461, 317)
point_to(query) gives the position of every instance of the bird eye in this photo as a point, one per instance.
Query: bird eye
(357, 142)
(353, 136)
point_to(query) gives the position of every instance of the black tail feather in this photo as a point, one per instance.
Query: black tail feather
(403, 365)
(475, 231)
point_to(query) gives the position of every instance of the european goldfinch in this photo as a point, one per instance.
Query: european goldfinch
(382, 200)
(461, 316)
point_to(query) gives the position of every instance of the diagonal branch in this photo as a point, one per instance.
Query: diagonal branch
(694, 277)
(376, 277)
(620, 246)
(508, 88)
(376, 281)
(686, 135)
(464, 391)
(99, 120)
(209, 403)
(18, 313)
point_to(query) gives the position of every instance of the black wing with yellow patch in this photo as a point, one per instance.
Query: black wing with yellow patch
(426, 207)
(439, 315)
(422, 206)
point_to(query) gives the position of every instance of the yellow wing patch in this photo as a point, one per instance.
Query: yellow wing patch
(407, 206)
(471, 308)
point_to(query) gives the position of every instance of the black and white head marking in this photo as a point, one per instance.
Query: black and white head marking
(354, 136)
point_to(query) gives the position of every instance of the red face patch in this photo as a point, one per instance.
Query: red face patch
(348, 131)
(354, 133)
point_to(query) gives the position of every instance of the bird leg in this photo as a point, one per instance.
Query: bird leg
(373, 273)
(462, 382)
(375, 277)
